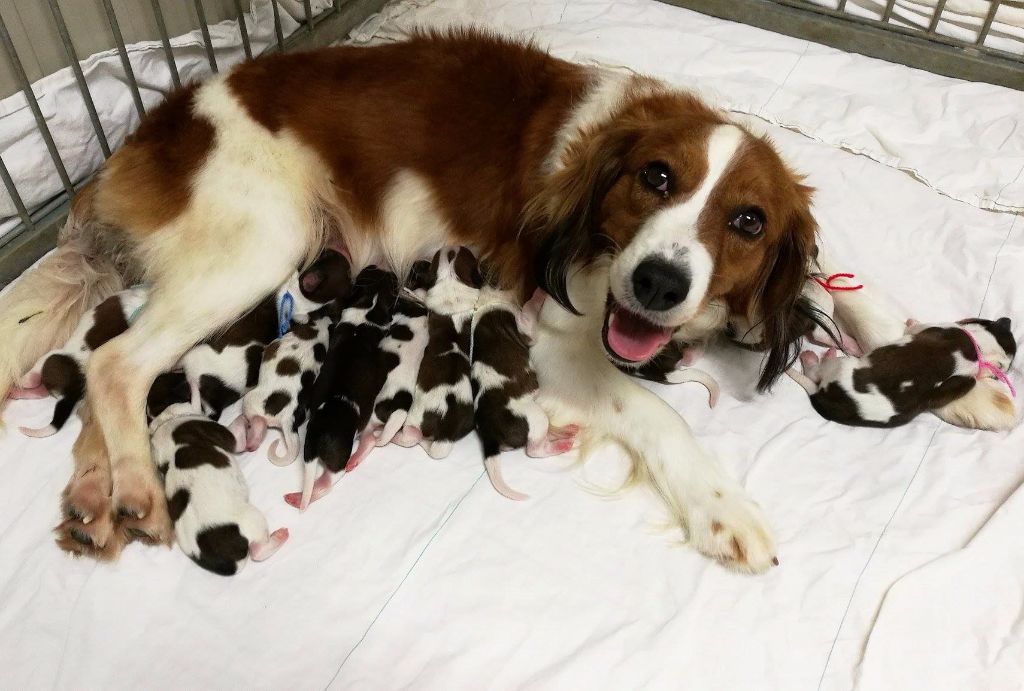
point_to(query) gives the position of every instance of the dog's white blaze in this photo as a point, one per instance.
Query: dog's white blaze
(672, 234)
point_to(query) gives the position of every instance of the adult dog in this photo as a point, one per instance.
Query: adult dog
(622, 198)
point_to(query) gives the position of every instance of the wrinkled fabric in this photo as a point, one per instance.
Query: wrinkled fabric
(414, 573)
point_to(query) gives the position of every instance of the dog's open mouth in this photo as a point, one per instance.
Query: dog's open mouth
(629, 336)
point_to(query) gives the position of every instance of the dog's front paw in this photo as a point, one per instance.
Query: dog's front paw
(139, 504)
(729, 527)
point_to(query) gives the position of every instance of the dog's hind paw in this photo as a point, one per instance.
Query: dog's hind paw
(731, 528)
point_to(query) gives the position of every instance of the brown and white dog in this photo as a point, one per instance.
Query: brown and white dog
(618, 194)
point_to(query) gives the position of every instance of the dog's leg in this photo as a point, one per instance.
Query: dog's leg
(182, 310)
(88, 527)
(579, 383)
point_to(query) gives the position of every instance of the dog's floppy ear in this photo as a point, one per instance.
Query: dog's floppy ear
(563, 217)
(778, 301)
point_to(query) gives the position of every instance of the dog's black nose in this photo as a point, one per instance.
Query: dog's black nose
(660, 285)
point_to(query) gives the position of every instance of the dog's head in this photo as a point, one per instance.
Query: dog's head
(453, 281)
(690, 209)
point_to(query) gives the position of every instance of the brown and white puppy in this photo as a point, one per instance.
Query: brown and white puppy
(541, 165)
(343, 394)
(403, 347)
(442, 406)
(62, 372)
(932, 366)
(207, 496)
(506, 414)
(226, 366)
(290, 364)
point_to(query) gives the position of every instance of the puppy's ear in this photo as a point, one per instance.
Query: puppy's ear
(784, 315)
(564, 216)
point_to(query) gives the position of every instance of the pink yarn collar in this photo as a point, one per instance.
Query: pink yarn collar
(985, 365)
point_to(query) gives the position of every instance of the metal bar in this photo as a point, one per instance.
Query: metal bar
(888, 10)
(83, 88)
(12, 190)
(123, 52)
(166, 40)
(309, 15)
(33, 104)
(243, 29)
(913, 48)
(277, 26)
(842, 6)
(936, 16)
(207, 42)
(983, 34)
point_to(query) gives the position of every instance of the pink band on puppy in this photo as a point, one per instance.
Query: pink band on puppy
(984, 365)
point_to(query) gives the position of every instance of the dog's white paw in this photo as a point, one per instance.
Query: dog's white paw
(729, 527)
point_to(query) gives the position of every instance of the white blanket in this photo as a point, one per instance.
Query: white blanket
(414, 573)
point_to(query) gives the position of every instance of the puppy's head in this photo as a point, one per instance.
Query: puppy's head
(995, 338)
(376, 290)
(328, 278)
(689, 208)
(456, 281)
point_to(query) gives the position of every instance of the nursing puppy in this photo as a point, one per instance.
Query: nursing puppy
(343, 394)
(226, 366)
(442, 408)
(61, 373)
(929, 368)
(290, 364)
(506, 413)
(207, 496)
(402, 349)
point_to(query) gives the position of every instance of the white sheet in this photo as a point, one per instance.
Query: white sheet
(415, 573)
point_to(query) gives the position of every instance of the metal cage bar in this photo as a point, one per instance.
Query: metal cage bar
(983, 34)
(165, 39)
(936, 16)
(278, 31)
(123, 52)
(15, 197)
(83, 88)
(33, 104)
(243, 29)
(887, 12)
(207, 41)
(308, 8)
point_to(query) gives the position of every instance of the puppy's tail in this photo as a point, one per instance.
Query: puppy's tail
(986, 406)
(39, 311)
(391, 427)
(688, 374)
(492, 464)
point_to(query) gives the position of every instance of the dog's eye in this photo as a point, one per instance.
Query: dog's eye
(657, 176)
(749, 221)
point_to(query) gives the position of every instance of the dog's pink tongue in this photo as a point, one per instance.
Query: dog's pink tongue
(633, 338)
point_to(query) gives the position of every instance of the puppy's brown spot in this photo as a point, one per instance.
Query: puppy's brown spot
(271, 351)
(288, 367)
(109, 322)
(716, 527)
(738, 552)
(1002, 403)
(718, 494)
(775, 561)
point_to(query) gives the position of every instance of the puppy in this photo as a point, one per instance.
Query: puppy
(290, 364)
(404, 347)
(506, 413)
(931, 366)
(343, 394)
(207, 496)
(61, 373)
(226, 366)
(672, 366)
(442, 408)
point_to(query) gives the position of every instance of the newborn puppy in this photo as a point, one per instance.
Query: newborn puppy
(930, 367)
(61, 373)
(168, 389)
(672, 366)
(207, 496)
(290, 364)
(403, 347)
(344, 392)
(442, 408)
(506, 413)
(220, 370)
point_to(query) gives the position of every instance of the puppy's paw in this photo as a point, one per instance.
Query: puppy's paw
(731, 528)
(99, 539)
(139, 504)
